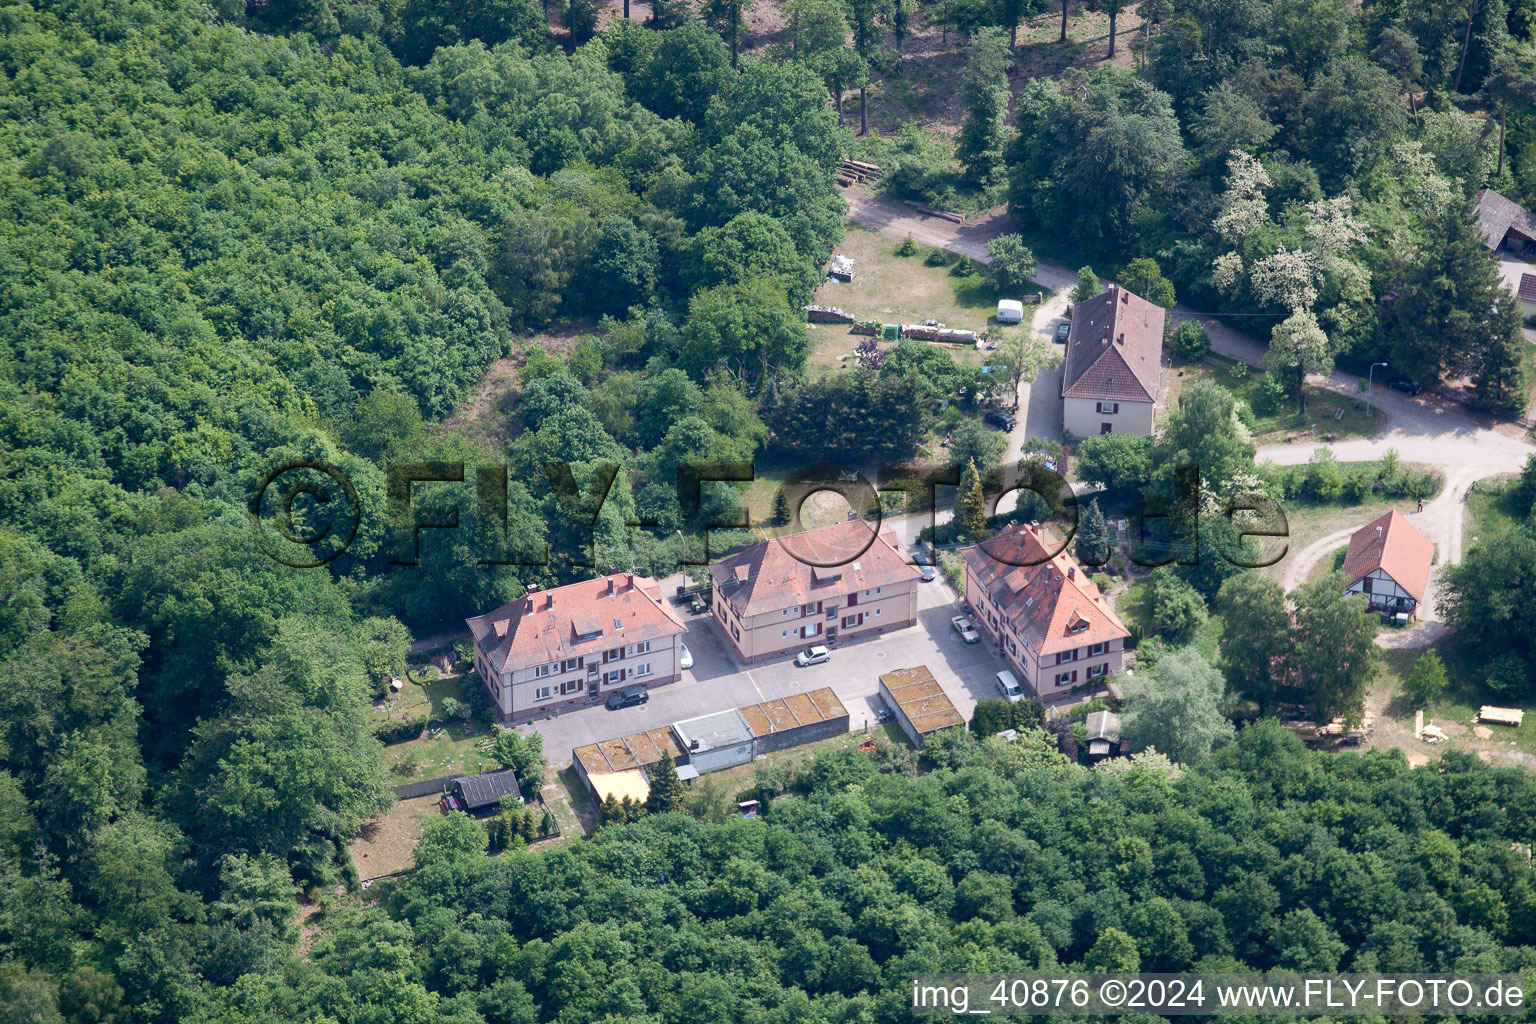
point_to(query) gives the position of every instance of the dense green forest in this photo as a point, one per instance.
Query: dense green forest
(237, 235)
(1005, 857)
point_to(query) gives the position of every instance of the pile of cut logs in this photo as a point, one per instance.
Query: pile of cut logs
(958, 218)
(852, 172)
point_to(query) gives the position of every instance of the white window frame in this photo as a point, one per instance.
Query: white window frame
(643, 647)
(542, 671)
(542, 693)
(877, 613)
(642, 669)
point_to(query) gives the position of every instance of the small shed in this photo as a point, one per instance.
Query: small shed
(1500, 716)
(794, 720)
(713, 742)
(918, 703)
(624, 754)
(484, 792)
(1527, 294)
(1010, 311)
(1103, 734)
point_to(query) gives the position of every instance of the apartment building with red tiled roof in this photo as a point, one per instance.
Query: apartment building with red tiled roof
(1046, 617)
(831, 584)
(554, 650)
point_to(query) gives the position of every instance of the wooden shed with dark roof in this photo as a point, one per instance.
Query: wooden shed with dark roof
(1504, 224)
(483, 792)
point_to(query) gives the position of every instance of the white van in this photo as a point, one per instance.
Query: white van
(1009, 684)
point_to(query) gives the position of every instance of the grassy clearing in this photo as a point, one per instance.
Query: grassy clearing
(1329, 417)
(455, 750)
(1456, 710)
(1310, 523)
(1489, 513)
(897, 289)
(388, 843)
(1333, 563)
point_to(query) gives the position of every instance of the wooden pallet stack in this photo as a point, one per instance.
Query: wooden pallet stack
(852, 172)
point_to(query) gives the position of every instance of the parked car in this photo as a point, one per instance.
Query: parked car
(966, 628)
(927, 573)
(685, 659)
(1009, 684)
(628, 698)
(813, 656)
(1001, 420)
(1407, 385)
(1063, 329)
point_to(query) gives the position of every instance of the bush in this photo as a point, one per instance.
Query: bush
(964, 267)
(1245, 414)
(1177, 608)
(1508, 675)
(908, 247)
(1271, 394)
(1358, 484)
(936, 258)
(399, 731)
(1189, 341)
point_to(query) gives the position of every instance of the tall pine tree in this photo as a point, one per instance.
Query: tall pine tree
(1093, 537)
(983, 139)
(971, 504)
(667, 790)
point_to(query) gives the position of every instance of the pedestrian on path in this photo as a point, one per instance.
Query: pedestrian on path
(1421, 504)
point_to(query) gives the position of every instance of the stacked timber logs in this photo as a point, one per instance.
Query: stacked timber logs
(853, 171)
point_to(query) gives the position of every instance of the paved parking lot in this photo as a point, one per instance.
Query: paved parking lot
(717, 681)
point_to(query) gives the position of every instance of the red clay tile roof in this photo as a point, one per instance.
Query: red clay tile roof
(1528, 287)
(543, 626)
(1392, 545)
(1046, 598)
(1115, 350)
(1496, 216)
(782, 572)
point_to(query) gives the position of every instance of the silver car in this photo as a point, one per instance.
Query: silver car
(813, 656)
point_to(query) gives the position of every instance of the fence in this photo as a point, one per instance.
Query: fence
(424, 787)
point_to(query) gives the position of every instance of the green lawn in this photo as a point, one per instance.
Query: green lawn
(454, 750)
(897, 289)
(1281, 425)
(1489, 513)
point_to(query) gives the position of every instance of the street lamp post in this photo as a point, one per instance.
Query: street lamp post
(1368, 374)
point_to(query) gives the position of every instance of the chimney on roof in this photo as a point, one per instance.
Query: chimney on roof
(1125, 297)
(1121, 339)
(549, 600)
(629, 580)
(613, 584)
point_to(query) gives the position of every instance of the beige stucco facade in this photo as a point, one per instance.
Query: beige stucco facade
(781, 632)
(534, 691)
(1086, 417)
(1045, 675)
